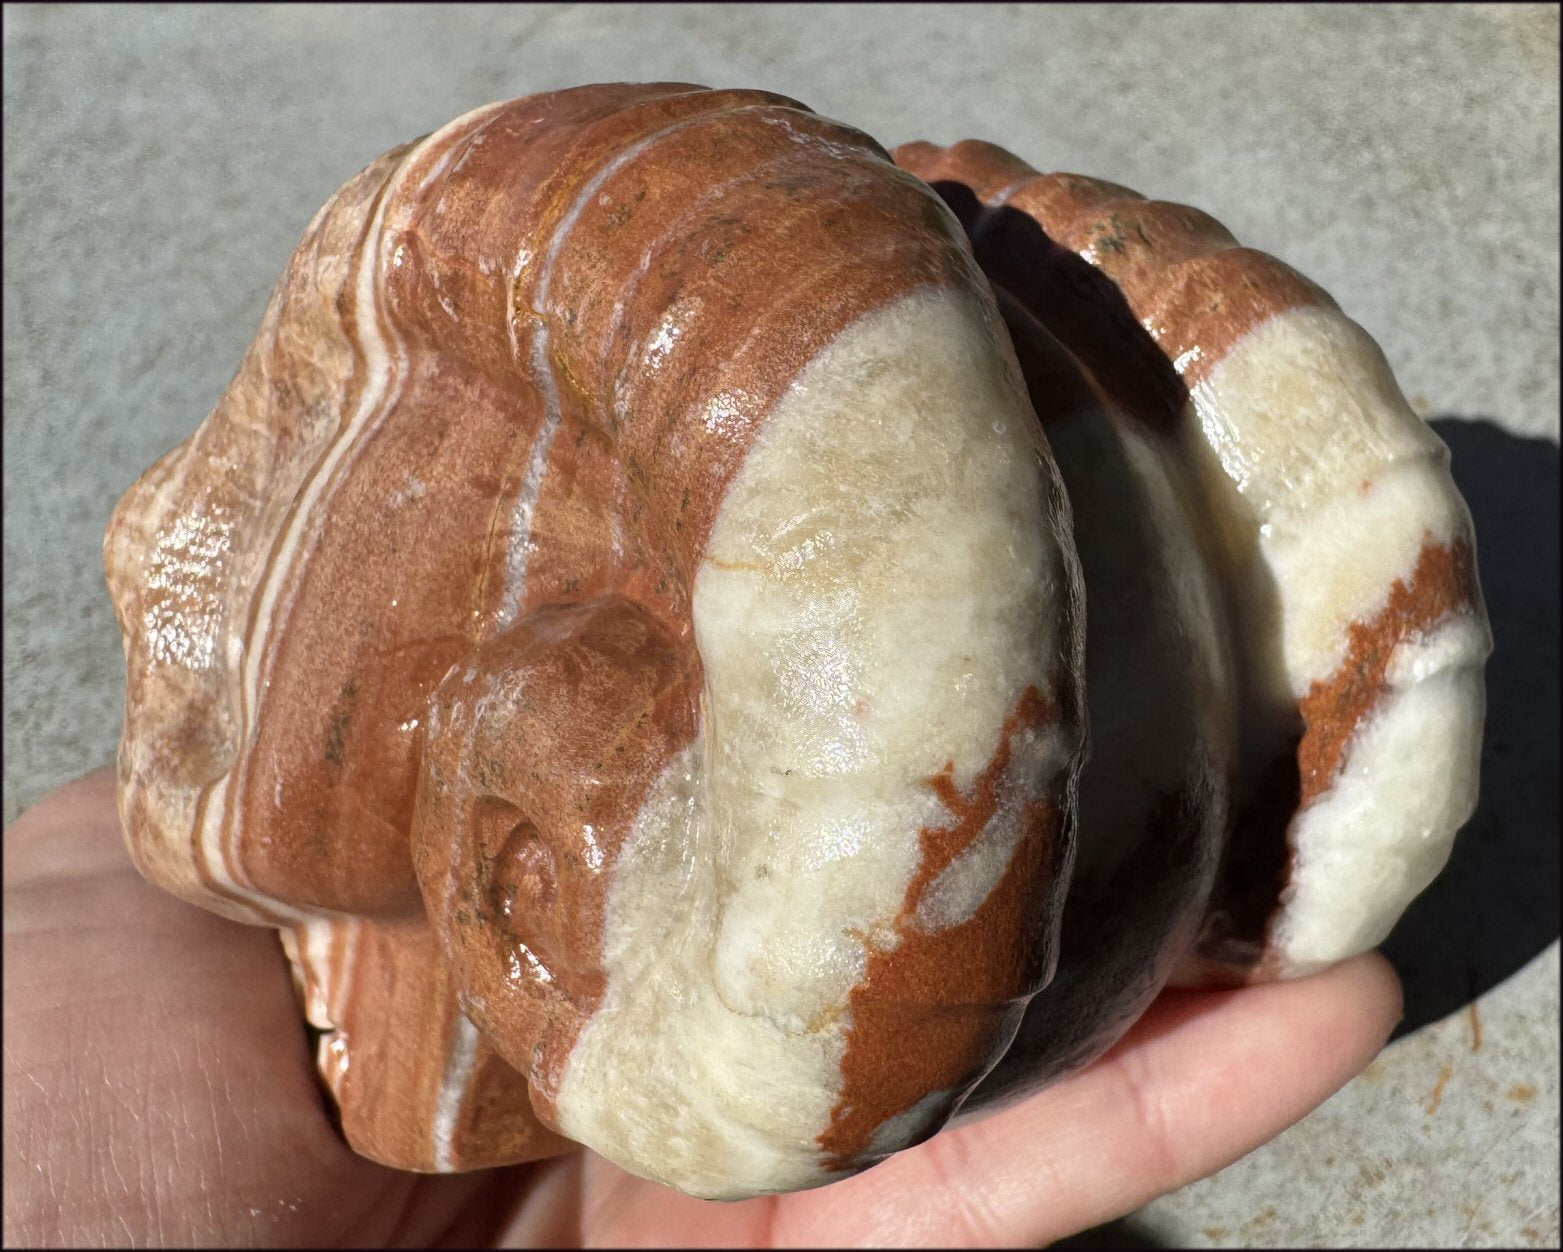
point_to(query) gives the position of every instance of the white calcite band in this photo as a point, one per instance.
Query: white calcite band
(1347, 488)
(881, 586)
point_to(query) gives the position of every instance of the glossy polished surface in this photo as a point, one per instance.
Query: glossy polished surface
(1290, 402)
(1401, 123)
(642, 630)
(1325, 514)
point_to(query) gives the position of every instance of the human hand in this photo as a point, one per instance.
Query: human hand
(159, 1089)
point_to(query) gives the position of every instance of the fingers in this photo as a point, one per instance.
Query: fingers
(1203, 1078)
(75, 828)
(157, 1084)
(167, 999)
(620, 1210)
(154, 1062)
(549, 1200)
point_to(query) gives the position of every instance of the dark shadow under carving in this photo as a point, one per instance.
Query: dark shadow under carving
(1153, 796)
(1152, 808)
(1086, 312)
(1495, 906)
(1076, 302)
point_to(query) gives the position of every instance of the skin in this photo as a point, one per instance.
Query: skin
(158, 1089)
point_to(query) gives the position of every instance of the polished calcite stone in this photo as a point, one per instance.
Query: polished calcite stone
(1393, 172)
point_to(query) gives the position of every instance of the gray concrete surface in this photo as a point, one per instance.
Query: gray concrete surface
(160, 163)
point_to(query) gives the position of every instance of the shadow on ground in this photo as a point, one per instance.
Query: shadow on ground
(1495, 906)
(1123, 1233)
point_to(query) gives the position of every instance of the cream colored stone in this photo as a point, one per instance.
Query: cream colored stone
(881, 586)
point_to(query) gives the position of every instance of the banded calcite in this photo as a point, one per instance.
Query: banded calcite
(1349, 633)
(624, 627)
(620, 625)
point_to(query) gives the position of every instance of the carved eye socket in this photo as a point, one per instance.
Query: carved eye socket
(517, 879)
(524, 882)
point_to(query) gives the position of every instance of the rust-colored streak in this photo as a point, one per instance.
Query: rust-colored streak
(1150, 297)
(1437, 1098)
(1254, 878)
(942, 844)
(1442, 584)
(925, 1016)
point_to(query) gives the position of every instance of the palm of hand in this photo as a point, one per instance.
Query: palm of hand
(158, 1089)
